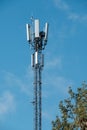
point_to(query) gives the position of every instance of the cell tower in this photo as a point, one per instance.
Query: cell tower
(37, 40)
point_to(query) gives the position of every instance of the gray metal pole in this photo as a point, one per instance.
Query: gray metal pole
(40, 100)
(35, 99)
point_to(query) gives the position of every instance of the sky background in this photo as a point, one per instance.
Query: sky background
(65, 58)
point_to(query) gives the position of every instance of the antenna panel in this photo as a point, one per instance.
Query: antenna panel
(28, 32)
(36, 28)
(36, 58)
(32, 60)
(46, 32)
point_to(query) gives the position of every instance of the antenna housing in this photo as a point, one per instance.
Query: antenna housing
(28, 32)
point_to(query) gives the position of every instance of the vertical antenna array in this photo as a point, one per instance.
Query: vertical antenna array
(37, 40)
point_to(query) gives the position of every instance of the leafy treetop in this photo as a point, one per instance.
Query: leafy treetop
(73, 111)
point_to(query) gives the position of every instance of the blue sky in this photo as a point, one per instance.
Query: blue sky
(65, 58)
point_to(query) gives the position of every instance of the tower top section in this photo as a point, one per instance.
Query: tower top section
(36, 38)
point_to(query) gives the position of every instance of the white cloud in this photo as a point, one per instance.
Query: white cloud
(58, 84)
(71, 15)
(46, 115)
(7, 103)
(74, 16)
(52, 63)
(77, 17)
(14, 81)
(61, 4)
(84, 18)
(53, 80)
(62, 83)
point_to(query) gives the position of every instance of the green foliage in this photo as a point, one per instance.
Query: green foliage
(73, 111)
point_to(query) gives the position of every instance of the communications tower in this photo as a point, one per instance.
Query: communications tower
(37, 40)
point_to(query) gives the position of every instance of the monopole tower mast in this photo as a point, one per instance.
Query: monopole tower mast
(37, 40)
